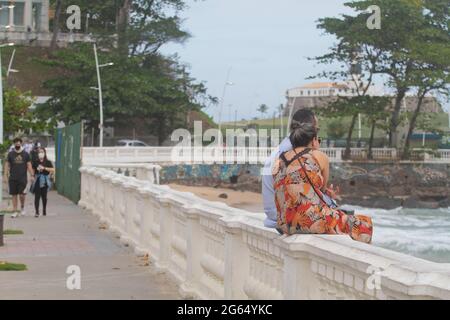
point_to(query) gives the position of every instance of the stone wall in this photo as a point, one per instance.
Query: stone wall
(393, 185)
(375, 185)
(235, 176)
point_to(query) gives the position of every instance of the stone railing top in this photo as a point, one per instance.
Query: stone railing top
(126, 165)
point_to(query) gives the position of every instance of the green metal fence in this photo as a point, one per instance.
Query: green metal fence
(68, 161)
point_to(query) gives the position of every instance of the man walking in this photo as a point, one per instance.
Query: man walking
(17, 165)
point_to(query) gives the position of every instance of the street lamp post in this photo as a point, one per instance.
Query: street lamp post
(10, 64)
(227, 83)
(1, 120)
(359, 127)
(100, 93)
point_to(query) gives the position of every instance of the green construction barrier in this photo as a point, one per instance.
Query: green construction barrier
(68, 161)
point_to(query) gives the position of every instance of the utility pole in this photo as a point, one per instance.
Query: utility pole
(100, 93)
(227, 83)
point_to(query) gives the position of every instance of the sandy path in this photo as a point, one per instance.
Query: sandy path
(250, 201)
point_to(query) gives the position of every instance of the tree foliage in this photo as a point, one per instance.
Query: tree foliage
(18, 118)
(336, 129)
(142, 84)
(411, 50)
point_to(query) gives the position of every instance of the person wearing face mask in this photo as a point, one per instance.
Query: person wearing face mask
(34, 151)
(17, 164)
(43, 168)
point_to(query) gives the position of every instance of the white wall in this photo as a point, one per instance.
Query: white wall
(225, 155)
(217, 252)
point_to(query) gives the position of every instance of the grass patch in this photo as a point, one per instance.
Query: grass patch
(12, 232)
(6, 266)
(439, 121)
(6, 212)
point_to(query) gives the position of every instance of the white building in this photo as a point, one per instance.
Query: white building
(320, 94)
(326, 89)
(24, 15)
(26, 22)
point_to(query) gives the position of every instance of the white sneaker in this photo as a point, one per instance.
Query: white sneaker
(23, 212)
(14, 215)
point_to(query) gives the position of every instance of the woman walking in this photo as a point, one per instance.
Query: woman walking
(42, 168)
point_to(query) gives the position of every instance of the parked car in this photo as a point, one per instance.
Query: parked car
(131, 143)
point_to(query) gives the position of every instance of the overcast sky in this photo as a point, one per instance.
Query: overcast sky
(265, 42)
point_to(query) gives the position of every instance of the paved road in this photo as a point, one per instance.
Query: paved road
(69, 236)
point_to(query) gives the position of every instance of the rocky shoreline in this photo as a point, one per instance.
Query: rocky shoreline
(393, 203)
(370, 185)
(393, 186)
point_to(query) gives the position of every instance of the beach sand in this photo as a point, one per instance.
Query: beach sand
(249, 201)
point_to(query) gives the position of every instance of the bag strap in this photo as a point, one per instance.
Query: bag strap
(296, 157)
(307, 176)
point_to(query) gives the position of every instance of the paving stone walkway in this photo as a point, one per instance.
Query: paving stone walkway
(70, 236)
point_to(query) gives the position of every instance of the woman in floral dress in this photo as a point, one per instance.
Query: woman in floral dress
(300, 180)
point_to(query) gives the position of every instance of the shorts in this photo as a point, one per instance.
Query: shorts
(17, 187)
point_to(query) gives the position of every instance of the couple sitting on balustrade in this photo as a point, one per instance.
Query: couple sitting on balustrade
(297, 199)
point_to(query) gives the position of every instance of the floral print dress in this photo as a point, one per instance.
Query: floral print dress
(301, 210)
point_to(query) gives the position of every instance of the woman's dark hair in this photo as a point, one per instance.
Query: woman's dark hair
(303, 128)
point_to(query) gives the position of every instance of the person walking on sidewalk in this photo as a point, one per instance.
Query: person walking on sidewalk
(17, 165)
(34, 151)
(42, 168)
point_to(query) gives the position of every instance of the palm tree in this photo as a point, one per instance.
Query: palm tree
(263, 109)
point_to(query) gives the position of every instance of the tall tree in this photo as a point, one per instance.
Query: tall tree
(436, 82)
(393, 49)
(347, 107)
(357, 63)
(376, 111)
(17, 116)
(432, 64)
(155, 89)
(143, 84)
(58, 4)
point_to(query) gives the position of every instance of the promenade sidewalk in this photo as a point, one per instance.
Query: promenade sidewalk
(70, 236)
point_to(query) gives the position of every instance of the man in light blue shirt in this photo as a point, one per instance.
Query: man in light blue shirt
(268, 191)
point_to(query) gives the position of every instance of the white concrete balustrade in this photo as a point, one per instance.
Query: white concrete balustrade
(230, 155)
(140, 171)
(217, 252)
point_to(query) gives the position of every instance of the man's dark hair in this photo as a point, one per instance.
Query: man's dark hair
(18, 140)
(303, 128)
(303, 116)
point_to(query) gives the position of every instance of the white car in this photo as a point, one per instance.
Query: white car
(131, 143)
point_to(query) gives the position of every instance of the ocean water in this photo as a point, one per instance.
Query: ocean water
(422, 233)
